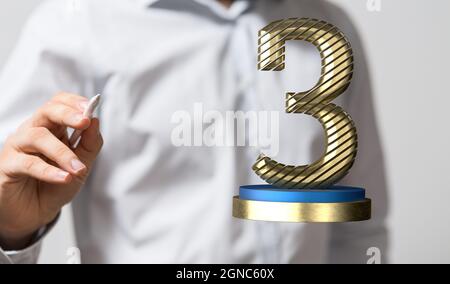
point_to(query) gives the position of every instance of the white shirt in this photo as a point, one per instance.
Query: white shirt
(149, 201)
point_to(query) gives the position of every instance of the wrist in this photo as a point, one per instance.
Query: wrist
(15, 240)
(20, 238)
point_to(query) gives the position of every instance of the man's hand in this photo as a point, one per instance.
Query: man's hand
(39, 172)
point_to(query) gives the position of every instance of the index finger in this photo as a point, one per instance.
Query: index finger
(72, 100)
(55, 114)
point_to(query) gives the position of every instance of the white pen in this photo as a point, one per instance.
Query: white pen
(88, 112)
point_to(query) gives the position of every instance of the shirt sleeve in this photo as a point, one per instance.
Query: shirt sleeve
(350, 242)
(30, 254)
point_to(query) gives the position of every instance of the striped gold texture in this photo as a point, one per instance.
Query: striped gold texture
(336, 74)
(302, 212)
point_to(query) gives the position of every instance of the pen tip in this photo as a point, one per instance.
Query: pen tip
(95, 101)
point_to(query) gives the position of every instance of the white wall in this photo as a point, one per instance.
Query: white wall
(408, 43)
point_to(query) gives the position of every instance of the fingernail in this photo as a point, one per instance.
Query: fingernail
(77, 165)
(61, 175)
(84, 105)
(77, 118)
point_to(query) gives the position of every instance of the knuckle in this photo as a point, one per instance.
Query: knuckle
(40, 113)
(63, 111)
(47, 170)
(5, 166)
(37, 133)
(28, 164)
(59, 114)
(59, 95)
(10, 139)
(65, 96)
(62, 151)
(48, 104)
(25, 125)
(45, 108)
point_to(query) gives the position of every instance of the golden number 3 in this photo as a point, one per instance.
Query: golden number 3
(336, 74)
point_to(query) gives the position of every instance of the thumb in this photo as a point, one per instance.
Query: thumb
(90, 144)
(87, 150)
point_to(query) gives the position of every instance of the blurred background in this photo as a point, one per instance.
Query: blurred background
(407, 43)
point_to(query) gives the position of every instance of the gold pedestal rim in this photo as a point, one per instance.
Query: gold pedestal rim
(302, 212)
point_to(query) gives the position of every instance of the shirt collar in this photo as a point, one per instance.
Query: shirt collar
(236, 9)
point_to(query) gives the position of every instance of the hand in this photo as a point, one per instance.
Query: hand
(39, 172)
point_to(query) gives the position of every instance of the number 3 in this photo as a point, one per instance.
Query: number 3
(337, 69)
